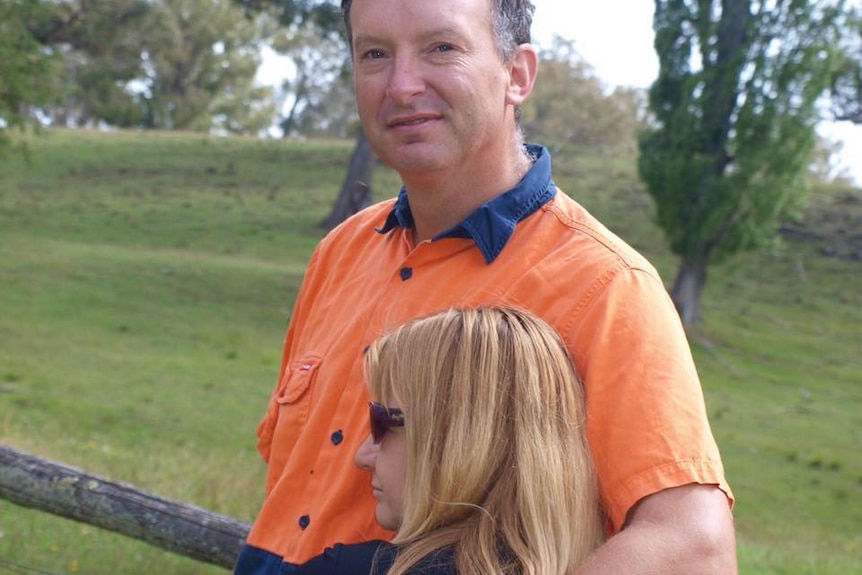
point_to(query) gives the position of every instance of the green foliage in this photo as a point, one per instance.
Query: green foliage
(25, 69)
(846, 87)
(100, 45)
(177, 64)
(166, 64)
(201, 59)
(147, 279)
(569, 106)
(726, 159)
(324, 15)
(321, 88)
(320, 92)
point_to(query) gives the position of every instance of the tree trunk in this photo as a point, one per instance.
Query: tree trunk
(722, 85)
(687, 287)
(289, 123)
(29, 481)
(356, 189)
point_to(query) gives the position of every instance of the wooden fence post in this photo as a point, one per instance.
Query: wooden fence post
(30, 481)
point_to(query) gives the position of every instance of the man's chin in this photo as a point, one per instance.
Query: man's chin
(417, 158)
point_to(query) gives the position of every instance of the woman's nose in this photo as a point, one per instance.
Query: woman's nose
(366, 455)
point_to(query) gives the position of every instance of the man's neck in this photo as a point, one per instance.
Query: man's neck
(441, 201)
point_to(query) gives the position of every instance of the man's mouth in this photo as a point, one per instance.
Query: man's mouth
(411, 121)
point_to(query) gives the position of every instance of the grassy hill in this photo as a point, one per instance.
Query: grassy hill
(146, 280)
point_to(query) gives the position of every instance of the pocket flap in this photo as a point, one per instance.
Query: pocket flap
(298, 378)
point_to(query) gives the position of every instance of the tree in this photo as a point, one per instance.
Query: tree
(734, 115)
(846, 87)
(181, 64)
(569, 105)
(200, 60)
(325, 16)
(99, 43)
(26, 70)
(320, 90)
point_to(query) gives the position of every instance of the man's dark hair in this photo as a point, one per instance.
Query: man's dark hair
(510, 22)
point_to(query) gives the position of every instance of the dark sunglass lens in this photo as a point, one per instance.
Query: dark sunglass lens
(378, 426)
(383, 419)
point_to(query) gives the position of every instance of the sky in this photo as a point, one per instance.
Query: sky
(598, 28)
(615, 37)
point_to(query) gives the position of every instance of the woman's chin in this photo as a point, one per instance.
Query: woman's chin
(385, 518)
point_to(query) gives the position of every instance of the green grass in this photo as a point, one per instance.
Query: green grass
(146, 280)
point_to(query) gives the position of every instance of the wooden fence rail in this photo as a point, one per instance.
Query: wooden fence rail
(37, 483)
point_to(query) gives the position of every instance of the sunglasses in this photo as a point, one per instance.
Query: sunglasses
(383, 419)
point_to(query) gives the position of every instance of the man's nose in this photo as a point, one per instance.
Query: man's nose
(405, 80)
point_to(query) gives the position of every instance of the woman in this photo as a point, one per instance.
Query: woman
(478, 455)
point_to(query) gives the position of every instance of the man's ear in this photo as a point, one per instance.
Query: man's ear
(523, 67)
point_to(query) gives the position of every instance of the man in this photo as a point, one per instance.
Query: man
(479, 221)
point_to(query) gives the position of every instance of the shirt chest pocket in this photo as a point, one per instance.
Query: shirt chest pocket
(297, 380)
(293, 400)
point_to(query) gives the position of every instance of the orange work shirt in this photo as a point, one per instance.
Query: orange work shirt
(532, 247)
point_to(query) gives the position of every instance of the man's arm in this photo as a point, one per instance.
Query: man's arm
(686, 530)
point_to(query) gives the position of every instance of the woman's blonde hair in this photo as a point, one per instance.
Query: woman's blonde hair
(498, 465)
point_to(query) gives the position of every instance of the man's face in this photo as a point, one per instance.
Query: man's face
(430, 85)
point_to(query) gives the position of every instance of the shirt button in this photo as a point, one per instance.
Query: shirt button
(304, 521)
(406, 273)
(337, 437)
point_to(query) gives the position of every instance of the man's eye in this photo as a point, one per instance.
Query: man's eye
(373, 54)
(444, 47)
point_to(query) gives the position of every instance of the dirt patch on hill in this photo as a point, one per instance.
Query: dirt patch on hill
(832, 221)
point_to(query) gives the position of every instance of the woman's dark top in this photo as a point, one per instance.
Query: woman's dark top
(358, 558)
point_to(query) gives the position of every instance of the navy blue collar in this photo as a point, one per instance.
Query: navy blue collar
(491, 224)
